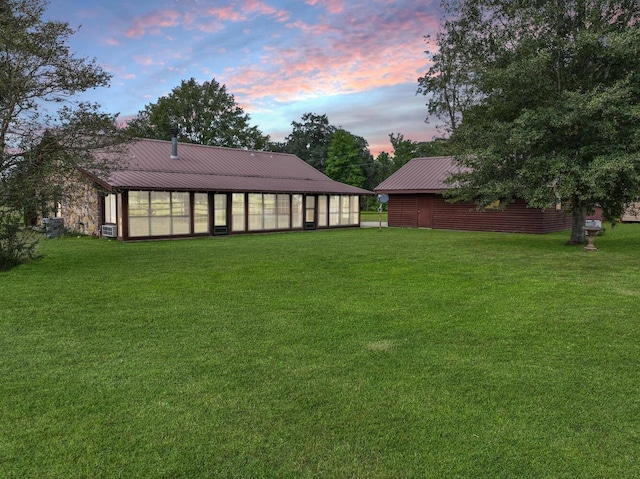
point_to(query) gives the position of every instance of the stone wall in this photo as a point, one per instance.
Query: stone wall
(84, 213)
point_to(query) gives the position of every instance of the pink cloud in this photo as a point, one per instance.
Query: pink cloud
(332, 6)
(261, 8)
(146, 60)
(357, 53)
(153, 22)
(228, 13)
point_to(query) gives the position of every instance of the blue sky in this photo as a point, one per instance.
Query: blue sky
(356, 61)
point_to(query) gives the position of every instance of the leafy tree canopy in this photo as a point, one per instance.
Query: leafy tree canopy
(344, 162)
(309, 140)
(551, 109)
(203, 113)
(42, 148)
(406, 149)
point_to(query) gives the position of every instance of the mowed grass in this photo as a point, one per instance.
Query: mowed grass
(331, 354)
(373, 216)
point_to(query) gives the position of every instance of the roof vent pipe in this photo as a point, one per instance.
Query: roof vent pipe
(174, 143)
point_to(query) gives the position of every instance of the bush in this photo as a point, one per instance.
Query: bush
(17, 243)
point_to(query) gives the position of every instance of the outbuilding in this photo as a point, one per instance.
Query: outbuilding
(166, 190)
(416, 200)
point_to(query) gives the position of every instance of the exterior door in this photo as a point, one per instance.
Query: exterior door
(425, 211)
(310, 213)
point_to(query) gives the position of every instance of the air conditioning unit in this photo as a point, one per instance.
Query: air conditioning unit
(110, 231)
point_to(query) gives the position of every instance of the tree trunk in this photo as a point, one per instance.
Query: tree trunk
(578, 217)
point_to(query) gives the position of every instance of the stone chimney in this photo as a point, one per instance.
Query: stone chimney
(174, 143)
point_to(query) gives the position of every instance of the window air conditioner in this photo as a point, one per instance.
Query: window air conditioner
(110, 231)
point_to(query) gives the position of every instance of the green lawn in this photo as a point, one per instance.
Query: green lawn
(331, 354)
(373, 216)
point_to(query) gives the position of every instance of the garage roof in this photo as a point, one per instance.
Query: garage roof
(420, 175)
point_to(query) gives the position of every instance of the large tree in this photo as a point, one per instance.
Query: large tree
(310, 139)
(344, 162)
(406, 149)
(554, 116)
(43, 148)
(203, 113)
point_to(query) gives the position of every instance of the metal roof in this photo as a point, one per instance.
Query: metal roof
(147, 164)
(420, 175)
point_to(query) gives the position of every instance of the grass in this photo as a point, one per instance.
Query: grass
(373, 216)
(352, 353)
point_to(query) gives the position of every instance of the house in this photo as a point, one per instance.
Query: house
(416, 200)
(166, 190)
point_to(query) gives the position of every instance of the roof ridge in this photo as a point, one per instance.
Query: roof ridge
(182, 172)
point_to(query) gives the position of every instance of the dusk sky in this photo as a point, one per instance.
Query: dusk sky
(357, 61)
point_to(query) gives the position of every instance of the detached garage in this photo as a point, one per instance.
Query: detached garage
(416, 201)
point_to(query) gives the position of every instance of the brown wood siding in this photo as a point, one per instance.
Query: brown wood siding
(555, 220)
(516, 218)
(403, 211)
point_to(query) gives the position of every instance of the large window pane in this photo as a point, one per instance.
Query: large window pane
(296, 211)
(237, 212)
(200, 213)
(110, 208)
(355, 210)
(160, 203)
(255, 211)
(322, 211)
(269, 211)
(180, 213)
(139, 226)
(160, 225)
(139, 213)
(334, 210)
(284, 212)
(345, 210)
(220, 210)
(138, 203)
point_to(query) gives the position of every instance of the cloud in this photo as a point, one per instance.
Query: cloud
(332, 6)
(153, 22)
(354, 53)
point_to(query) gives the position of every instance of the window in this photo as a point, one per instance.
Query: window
(255, 211)
(139, 213)
(322, 211)
(180, 213)
(296, 211)
(237, 212)
(110, 209)
(334, 210)
(220, 210)
(344, 210)
(284, 212)
(310, 209)
(355, 210)
(159, 213)
(200, 213)
(268, 211)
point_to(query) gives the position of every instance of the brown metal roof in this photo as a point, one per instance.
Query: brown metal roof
(420, 175)
(148, 165)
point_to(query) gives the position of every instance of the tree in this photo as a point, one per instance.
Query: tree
(203, 113)
(310, 139)
(405, 150)
(344, 163)
(42, 149)
(449, 79)
(555, 110)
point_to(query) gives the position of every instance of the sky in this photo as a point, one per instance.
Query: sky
(357, 61)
